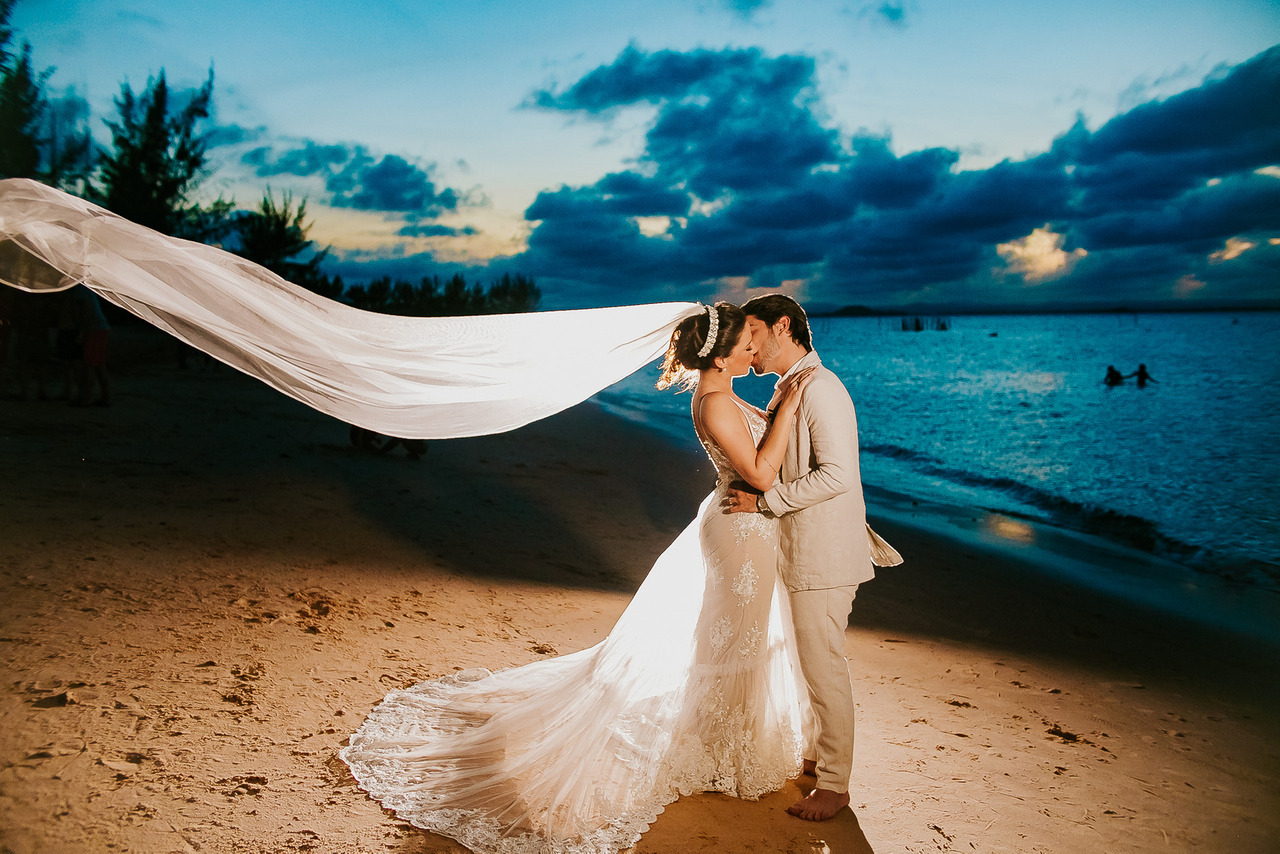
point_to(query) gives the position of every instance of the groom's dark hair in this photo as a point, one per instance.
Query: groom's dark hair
(773, 307)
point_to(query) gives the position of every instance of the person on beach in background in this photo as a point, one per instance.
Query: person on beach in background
(32, 320)
(368, 440)
(8, 299)
(94, 334)
(823, 547)
(415, 448)
(67, 347)
(692, 691)
(1143, 376)
(1113, 377)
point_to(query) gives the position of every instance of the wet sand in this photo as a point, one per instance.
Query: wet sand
(205, 587)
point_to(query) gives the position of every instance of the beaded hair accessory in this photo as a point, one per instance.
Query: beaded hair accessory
(713, 331)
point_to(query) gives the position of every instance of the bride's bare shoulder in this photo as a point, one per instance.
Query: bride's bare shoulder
(713, 401)
(719, 414)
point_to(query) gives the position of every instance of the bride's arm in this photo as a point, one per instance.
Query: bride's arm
(722, 421)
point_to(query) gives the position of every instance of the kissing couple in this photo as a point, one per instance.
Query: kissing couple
(726, 672)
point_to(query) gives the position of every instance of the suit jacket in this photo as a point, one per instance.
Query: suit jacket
(822, 537)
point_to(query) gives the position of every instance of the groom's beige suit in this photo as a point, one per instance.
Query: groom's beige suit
(823, 555)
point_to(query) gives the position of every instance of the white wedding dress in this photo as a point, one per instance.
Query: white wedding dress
(694, 690)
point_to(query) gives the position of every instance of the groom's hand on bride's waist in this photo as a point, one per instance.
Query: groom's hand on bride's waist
(741, 498)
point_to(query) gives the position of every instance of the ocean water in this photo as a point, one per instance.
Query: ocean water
(1010, 413)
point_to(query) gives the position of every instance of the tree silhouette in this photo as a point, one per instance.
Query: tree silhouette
(20, 106)
(275, 236)
(157, 161)
(453, 298)
(21, 102)
(512, 294)
(38, 138)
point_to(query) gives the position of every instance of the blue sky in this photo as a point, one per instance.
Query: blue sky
(1000, 154)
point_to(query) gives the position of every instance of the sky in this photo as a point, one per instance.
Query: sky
(994, 154)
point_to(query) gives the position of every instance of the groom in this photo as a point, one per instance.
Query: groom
(823, 553)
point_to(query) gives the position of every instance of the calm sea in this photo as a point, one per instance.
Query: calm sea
(1010, 413)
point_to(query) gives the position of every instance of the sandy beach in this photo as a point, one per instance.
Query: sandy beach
(205, 588)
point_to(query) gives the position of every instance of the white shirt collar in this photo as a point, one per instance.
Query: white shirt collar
(808, 360)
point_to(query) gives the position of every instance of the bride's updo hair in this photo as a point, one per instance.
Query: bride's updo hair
(682, 363)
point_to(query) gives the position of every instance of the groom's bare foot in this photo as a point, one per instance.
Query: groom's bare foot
(819, 805)
(810, 768)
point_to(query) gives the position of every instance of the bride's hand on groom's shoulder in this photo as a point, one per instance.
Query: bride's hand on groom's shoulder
(803, 378)
(791, 394)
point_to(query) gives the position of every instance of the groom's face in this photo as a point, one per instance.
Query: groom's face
(765, 341)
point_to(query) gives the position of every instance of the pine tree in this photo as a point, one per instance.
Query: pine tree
(21, 104)
(275, 236)
(157, 159)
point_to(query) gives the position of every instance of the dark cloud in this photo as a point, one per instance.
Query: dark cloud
(226, 135)
(889, 13)
(604, 249)
(634, 195)
(882, 180)
(1236, 114)
(637, 76)
(1168, 182)
(389, 184)
(990, 205)
(1160, 149)
(436, 230)
(716, 246)
(745, 8)
(354, 178)
(802, 209)
(738, 130)
(302, 161)
(753, 181)
(729, 120)
(624, 194)
(1201, 218)
(892, 13)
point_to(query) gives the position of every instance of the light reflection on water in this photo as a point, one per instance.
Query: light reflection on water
(1009, 529)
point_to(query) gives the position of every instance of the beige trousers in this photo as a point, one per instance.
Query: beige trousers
(820, 618)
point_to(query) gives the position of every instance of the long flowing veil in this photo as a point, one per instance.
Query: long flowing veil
(416, 378)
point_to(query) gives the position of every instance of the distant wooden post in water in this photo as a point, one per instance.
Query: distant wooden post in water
(920, 324)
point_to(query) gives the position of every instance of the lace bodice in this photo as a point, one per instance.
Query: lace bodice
(725, 470)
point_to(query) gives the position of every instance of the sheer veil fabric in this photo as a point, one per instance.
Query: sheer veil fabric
(695, 687)
(415, 378)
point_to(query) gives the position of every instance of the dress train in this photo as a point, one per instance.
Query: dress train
(694, 690)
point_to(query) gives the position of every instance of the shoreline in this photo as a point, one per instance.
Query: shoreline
(1093, 563)
(206, 588)
(1090, 560)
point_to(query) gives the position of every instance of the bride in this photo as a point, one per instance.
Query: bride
(692, 691)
